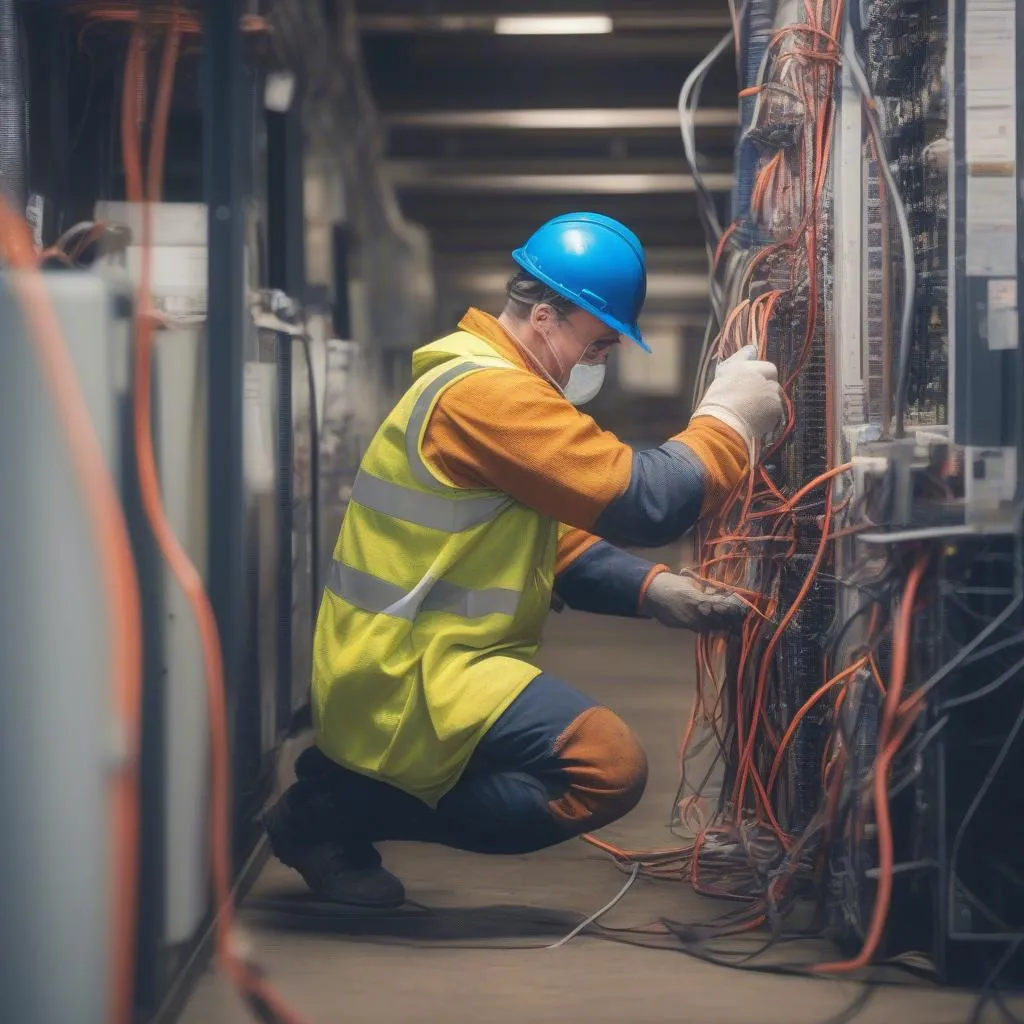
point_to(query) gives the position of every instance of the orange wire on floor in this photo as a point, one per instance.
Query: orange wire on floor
(249, 982)
(120, 590)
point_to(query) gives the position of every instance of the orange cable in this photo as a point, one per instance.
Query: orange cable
(177, 559)
(804, 710)
(775, 190)
(722, 242)
(889, 745)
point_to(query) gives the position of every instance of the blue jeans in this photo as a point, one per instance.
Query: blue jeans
(554, 765)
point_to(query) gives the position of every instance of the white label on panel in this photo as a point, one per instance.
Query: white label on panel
(258, 454)
(989, 73)
(991, 478)
(1002, 315)
(991, 227)
(179, 277)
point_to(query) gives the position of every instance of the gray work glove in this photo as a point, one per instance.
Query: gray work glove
(688, 603)
(745, 395)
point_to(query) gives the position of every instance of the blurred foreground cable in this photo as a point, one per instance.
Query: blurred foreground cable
(257, 993)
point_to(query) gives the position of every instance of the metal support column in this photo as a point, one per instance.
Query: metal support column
(286, 222)
(286, 227)
(342, 301)
(223, 153)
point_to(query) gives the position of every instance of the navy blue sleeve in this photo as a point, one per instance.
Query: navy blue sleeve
(661, 503)
(604, 580)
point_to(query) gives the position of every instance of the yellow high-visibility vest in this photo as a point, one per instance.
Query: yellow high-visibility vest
(435, 601)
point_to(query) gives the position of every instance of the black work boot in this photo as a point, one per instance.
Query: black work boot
(303, 831)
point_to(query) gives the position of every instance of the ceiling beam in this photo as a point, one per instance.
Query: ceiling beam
(660, 259)
(659, 286)
(428, 177)
(607, 119)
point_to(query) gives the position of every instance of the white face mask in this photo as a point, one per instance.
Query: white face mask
(585, 381)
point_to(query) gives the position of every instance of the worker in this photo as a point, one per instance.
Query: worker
(484, 493)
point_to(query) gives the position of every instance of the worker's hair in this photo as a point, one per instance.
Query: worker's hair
(525, 292)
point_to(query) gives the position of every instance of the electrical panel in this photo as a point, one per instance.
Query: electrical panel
(60, 740)
(905, 52)
(176, 693)
(985, 197)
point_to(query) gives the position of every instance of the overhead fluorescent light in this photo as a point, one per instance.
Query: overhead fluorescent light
(583, 119)
(554, 25)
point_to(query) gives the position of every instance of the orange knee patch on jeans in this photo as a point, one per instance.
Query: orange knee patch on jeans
(605, 770)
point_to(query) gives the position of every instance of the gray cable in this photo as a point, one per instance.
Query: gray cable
(969, 698)
(918, 747)
(604, 910)
(970, 648)
(693, 85)
(979, 798)
(907, 242)
(988, 652)
(705, 202)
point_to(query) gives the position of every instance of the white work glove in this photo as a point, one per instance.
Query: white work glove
(745, 395)
(689, 603)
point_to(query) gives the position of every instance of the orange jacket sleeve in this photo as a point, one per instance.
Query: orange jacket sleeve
(513, 431)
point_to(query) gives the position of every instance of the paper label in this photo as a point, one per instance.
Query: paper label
(259, 401)
(991, 227)
(989, 75)
(1003, 325)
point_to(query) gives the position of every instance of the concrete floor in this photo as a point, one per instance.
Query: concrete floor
(408, 967)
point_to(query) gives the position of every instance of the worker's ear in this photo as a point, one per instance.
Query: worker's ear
(542, 315)
(544, 318)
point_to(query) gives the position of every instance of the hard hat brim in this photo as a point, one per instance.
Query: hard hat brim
(631, 331)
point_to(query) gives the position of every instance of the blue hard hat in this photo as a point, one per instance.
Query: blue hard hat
(595, 262)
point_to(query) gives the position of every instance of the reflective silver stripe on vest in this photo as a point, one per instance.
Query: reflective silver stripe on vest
(419, 415)
(372, 594)
(433, 511)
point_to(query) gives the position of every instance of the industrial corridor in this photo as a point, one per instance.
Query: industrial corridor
(511, 511)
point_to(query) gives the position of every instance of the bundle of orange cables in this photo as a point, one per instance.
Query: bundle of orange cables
(760, 524)
(747, 833)
(739, 836)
